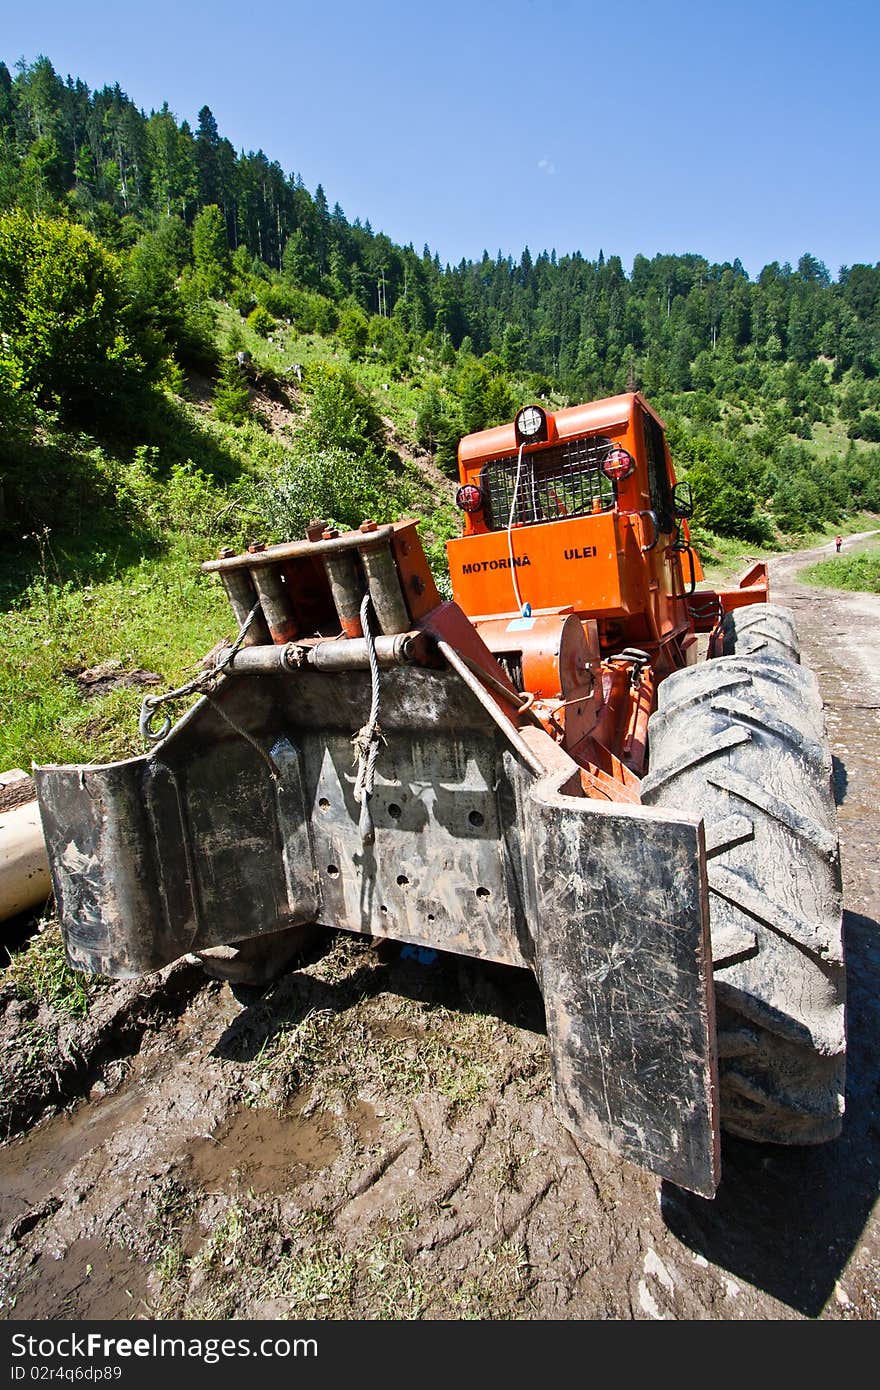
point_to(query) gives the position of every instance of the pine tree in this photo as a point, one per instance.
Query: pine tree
(207, 146)
(210, 251)
(232, 399)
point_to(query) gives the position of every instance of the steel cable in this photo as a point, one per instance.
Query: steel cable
(367, 739)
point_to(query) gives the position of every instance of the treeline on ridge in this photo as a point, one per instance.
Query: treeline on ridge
(122, 231)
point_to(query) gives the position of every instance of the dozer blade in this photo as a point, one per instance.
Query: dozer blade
(243, 821)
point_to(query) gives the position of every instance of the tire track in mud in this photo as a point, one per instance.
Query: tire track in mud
(416, 1167)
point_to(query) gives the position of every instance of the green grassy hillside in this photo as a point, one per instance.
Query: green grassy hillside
(858, 569)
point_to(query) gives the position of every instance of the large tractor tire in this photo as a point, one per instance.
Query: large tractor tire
(740, 740)
(760, 629)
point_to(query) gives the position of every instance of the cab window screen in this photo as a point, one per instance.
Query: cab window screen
(563, 481)
(658, 478)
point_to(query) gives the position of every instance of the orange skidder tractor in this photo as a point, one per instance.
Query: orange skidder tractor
(539, 773)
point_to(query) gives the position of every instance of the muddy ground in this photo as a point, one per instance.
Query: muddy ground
(372, 1137)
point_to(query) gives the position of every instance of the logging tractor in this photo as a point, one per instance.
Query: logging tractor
(587, 763)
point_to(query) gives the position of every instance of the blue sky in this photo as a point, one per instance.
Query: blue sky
(746, 130)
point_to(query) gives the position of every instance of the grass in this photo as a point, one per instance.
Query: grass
(392, 1046)
(397, 1291)
(858, 570)
(400, 401)
(725, 558)
(302, 1269)
(831, 441)
(287, 1061)
(41, 974)
(114, 576)
(159, 614)
(318, 1278)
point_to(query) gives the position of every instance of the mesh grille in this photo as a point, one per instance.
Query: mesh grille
(562, 481)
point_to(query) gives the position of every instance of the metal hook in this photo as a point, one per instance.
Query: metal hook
(145, 722)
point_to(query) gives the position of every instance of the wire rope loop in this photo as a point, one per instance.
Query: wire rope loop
(366, 741)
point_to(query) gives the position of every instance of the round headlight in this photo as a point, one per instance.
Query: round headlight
(530, 424)
(469, 498)
(618, 464)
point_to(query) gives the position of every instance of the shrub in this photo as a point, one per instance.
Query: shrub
(870, 426)
(211, 251)
(353, 331)
(279, 300)
(325, 481)
(484, 393)
(342, 414)
(63, 316)
(176, 316)
(309, 313)
(196, 345)
(261, 321)
(15, 408)
(724, 496)
(438, 428)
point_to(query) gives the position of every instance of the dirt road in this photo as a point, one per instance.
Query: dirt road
(373, 1137)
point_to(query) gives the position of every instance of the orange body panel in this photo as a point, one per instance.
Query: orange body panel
(614, 418)
(587, 565)
(553, 537)
(611, 564)
(609, 416)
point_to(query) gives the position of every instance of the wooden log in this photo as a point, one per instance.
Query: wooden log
(24, 866)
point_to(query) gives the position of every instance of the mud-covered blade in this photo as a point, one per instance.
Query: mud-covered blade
(216, 838)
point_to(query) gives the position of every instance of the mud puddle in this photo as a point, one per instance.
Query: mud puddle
(85, 1280)
(36, 1168)
(366, 1122)
(262, 1151)
(140, 1118)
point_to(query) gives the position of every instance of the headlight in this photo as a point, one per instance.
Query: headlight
(618, 464)
(530, 425)
(469, 498)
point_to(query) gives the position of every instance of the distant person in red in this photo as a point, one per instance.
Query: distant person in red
(838, 542)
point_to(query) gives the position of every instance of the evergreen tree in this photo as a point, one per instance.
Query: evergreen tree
(210, 251)
(207, 158)
(232, 399)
